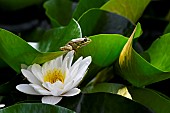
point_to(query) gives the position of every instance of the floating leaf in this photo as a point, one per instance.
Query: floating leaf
(167, 29)
(146, 97)
(103, 87)
(59, 11)
(91, 73)
(137, 70)
(58, 37)
(15, 51)
(97, 21)
(19, 4)
(83, 7)
(113, 88)
(104, 75)
(103, 103)
(159, 53)
(104, 48)
(135, 8)
(35, 108)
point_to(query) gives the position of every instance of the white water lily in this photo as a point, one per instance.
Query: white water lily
(56, 78)
(2, 105)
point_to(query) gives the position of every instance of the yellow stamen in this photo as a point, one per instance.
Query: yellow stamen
(54, 75)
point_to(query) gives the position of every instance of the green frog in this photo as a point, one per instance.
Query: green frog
(75, 44)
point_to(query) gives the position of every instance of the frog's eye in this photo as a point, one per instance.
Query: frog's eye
(85, 39)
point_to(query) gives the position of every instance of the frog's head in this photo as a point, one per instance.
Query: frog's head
(86, 41)
(80, 41)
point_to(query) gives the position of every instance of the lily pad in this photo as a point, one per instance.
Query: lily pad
(103, 103)
(104, 75)
(104, 48)
(59, 12)
(146, 96)
(103, 87)
(83, 7)
(97, 21)
(19, 4)
(140, 72)
(167, 29)
(135, 8)
(159, 53)
(58, 37)
(35, 108)
(142, 95)
(15, 51)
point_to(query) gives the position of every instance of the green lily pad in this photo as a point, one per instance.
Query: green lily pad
(135, 8)
(103, 103)
(83, 7)
(103, 87)
(104, 75)
(19, 4)
(97, 21)
(15, 51)
(91, 73)
(140, 72)
(142, 95)
(104, 48)
(147, 96)
(58, 11)
(58, 37)
(35, 108)
(159, 53)
(167, 29)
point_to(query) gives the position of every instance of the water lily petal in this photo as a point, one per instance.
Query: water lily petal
(52, 64)
(45, 68)
(58, 62)
(26, 88)
(67, 76)
(86, 61)
(29, 68)
(74, 69)
(77, 82)
(77, 61)
(31, 78)
(84, 65)
(57, 88)
(72, 92)
(37, 71)
(68, 86)
(70, 56)
(40, 89)
(51, 100)
(64, 65)
(56, 92)
(2, 105)
(58, 84)
(67, 61)
(47, 85)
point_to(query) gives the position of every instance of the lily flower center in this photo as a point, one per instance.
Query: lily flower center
(54, 75)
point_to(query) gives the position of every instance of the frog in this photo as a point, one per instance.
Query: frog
(75, 44)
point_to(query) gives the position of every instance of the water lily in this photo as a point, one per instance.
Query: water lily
(56, 78)
(2, 105)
